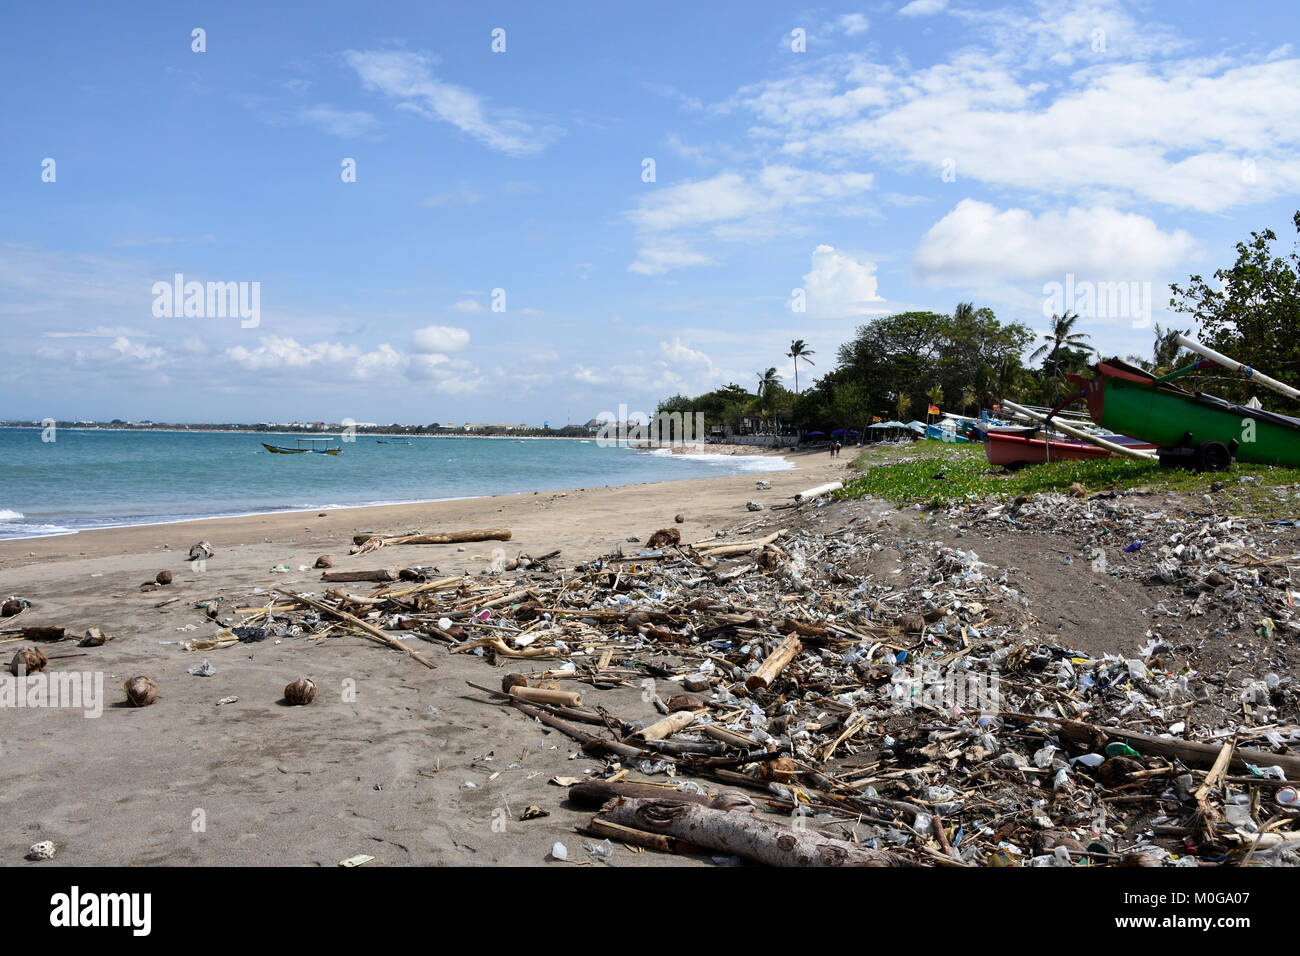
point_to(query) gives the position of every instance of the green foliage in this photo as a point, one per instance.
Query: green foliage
(1253, 314)
(935, 474)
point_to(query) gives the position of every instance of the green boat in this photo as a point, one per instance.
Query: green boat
(1190, 428)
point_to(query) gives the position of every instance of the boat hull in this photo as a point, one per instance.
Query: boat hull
(300, 451)
(1007, 449)
(1168, 417)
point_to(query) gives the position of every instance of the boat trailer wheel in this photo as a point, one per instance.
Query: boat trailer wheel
(1213, 456)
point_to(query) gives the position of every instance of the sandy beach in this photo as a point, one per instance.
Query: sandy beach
(413, 768)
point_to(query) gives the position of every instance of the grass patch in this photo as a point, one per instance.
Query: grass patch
(934, 474)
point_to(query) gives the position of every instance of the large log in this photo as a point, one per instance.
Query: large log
(771, 668)
(1190, 752)
(819, 490)
(442, 537)
(381, 574)
(746, 835)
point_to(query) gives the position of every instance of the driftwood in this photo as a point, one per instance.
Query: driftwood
(540, 695)
(746, 835)
(603, 829)
(369, 629)
(382, 574)
(597, 793)
(1191, 753)
(591, 744)
(48, 634)
(666, 727)
(776, 662)
(744, 547)
(368, 542)
(818, 491)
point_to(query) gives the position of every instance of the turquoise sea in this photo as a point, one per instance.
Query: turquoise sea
(92, 478)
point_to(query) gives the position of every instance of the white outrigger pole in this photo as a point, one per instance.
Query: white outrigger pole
(1245, 371)
(1077, 433)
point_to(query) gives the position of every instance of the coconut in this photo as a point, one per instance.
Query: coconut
(324, 561)
(29, 660)
(11, 607)
(300, 692)
(513, 680)
(163, 577)
(94, 638)
(140, 691)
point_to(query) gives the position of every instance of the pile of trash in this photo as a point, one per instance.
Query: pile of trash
(820, 704)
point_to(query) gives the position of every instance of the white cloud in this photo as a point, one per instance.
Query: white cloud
(463, 196)
(439, 339)
(853, 23)
(660, 256)
(134, 351)
(469, 306)
(839, 285)
(1190, 134)
(277, 353)
(348, 124)
(406, 77)
(978, 242)
(922, 8)
(733, 206)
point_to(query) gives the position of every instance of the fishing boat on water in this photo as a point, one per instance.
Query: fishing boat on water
(1192, 428)
(301, 449)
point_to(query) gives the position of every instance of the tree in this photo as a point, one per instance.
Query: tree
(1062, 338)
(768, 382)
(1254, 315)
(799, 350)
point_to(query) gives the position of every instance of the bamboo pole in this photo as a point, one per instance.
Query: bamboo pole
(540, 695)
(1232, 365)
(1081, 435)
(666, 727)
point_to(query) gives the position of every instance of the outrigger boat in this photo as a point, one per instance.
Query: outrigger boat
(1192, 428)
(303, 451)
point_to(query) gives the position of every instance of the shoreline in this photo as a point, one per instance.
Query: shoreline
(104, 540)
(690, 451)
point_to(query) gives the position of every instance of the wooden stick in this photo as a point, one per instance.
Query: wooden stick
(600, 827)
(722, 550)
(771, 668)
(370, 629)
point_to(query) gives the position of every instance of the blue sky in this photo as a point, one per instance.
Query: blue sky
(911, 155)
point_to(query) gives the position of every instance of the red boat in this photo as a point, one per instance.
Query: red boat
(1009, 449)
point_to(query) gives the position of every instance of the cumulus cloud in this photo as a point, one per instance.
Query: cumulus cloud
(732, 206)
(838, 285)
(439, 338)
(922, 8)
(978, 241)
(853, 23)
(406, 78)
(1196, 133)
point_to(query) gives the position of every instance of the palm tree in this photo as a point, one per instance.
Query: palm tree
(799, 350)
(765, 382)
(1061, 336)
(964, 313)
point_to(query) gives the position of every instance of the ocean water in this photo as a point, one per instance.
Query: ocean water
(88, 478)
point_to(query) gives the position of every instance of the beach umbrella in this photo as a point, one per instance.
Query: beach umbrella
(814, 434)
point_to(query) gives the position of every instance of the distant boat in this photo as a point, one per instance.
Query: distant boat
(301, 450)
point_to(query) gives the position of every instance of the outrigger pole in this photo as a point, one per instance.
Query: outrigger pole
(1081, 435)
(1245, 371)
